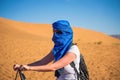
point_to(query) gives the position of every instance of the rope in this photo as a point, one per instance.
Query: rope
(21, 74)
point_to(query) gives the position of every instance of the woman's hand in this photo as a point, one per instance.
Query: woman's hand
(21, 67)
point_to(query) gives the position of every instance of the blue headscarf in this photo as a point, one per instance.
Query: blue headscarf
(62, 41)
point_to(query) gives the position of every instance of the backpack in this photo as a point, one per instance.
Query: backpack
(83, 72)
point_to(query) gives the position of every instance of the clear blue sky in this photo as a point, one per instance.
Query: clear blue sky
(99, 15)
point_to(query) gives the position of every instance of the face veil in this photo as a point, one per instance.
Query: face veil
(62, 38)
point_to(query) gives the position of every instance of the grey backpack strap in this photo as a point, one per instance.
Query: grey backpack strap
(73, 65)
(83, 72)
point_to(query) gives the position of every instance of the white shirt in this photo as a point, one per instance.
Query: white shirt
(68, 72)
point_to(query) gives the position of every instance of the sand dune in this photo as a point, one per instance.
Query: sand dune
(22, 42)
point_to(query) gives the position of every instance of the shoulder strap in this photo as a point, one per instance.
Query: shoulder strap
(83, 74)
(73, 65)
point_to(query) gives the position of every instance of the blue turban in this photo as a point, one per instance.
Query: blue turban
(62, 41)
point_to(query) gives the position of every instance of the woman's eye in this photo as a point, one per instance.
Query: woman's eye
(59, 32)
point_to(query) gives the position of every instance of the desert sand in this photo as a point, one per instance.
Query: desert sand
(22, 43)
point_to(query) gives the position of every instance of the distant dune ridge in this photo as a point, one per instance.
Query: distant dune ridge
(24, 43)
(116, 36)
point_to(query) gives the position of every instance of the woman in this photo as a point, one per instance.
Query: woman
(63, 53)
